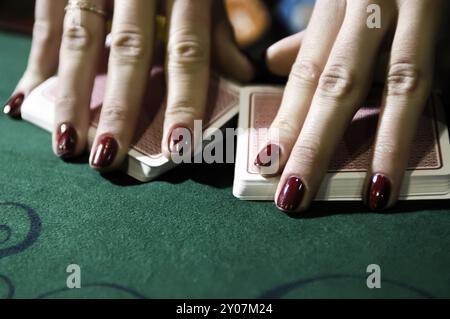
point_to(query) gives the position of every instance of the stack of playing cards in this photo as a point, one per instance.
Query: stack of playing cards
(427, 177)
(145, 161)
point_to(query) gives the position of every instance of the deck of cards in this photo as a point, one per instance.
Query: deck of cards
(145, 159)
(427, 177)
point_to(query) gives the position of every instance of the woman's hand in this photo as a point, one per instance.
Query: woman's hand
(331, 68)
(197, 28)
(43, 58)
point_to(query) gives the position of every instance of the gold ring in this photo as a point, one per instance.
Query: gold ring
(85, 5)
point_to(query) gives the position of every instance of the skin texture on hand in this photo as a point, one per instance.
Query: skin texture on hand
(331, 66)
(43, 58)
(71, 42)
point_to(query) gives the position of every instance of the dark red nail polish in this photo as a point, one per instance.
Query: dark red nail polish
(12, 107)
(269, 155)
(105, 152)
(66, 140)
(180, 140)
(378, 192)
(291, 194)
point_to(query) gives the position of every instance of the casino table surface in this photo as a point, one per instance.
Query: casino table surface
(186, 236)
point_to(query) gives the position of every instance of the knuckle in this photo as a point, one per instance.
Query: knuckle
(129, 46)
(65, 102)
(187, 51)
(183, 109)
(307, 153)
(335, 82)
(386, 152)
(304, 74)
(76, 38)
(44, 32)
(285, 126)
(114, 113)
(403, 78)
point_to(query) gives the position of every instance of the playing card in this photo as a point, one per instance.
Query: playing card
(145, 160)
(428, 173)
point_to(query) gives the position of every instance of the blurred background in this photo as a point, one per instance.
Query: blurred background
(16, 15)
(252, 19)
(257, 25)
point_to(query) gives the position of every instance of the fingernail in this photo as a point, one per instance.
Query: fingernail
(12, 107)
(66, 140)
(291, 194)
(268, 156)
(105, 152)
(378, 192)
(180, 140)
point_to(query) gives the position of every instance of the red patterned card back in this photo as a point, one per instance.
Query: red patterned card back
(148, 134)
(354, 151)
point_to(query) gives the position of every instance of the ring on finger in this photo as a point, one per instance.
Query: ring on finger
(86, 6)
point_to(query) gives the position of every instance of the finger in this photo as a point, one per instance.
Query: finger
(83, 38)
(301, 85)
(129, 63)
(227, 57)
(281, 56)
(408, 84)
(188, 71)
(342, 86)
(43, 59)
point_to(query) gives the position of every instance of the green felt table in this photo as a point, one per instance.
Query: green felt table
(185, 235)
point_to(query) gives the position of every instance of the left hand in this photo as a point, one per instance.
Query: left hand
(72, 42)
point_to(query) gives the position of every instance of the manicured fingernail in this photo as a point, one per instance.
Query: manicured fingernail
(180, 140)
(66, 140)
(268, 156)
(291, 194)
(12, 107)
(105, 152)
(378, 192)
